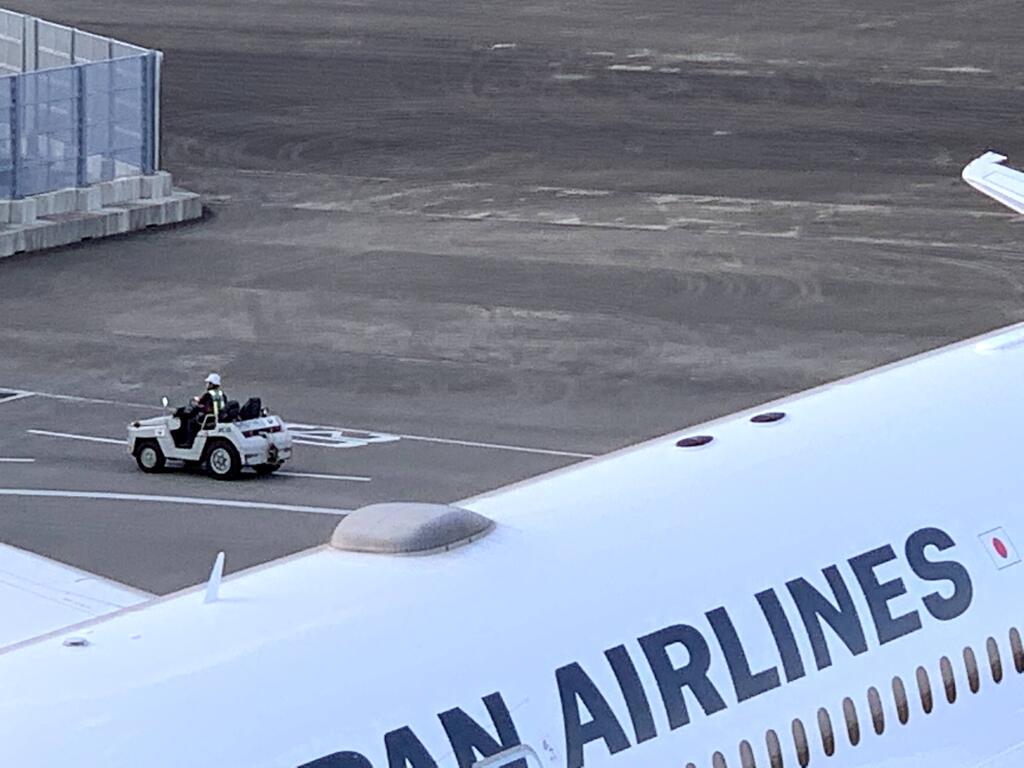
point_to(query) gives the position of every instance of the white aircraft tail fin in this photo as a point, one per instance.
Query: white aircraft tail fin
(988, 175)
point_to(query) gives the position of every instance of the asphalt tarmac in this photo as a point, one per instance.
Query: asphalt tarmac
(483, 241)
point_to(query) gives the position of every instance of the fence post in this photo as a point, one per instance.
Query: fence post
(81, 169)
(158, 65)
(15, 137)
(149, 113)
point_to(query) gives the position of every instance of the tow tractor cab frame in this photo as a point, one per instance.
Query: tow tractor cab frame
(222, 444)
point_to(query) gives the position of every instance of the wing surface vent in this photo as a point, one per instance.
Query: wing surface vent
(777, 755)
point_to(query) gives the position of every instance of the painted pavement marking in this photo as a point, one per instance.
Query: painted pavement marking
(70, 436)
(193, 500)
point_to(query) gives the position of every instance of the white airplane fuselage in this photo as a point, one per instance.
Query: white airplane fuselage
(843, 583)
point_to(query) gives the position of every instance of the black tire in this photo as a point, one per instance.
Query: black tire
(148, 456)
(266, 469)
(222, 460)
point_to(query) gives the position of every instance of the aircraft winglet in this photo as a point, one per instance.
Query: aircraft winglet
(989, 176)
(216, 574)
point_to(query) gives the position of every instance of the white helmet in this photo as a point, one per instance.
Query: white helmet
(213, 378)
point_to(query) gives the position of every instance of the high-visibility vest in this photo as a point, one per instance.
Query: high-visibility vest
(219, 400)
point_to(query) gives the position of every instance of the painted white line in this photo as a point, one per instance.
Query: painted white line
(318, 476)
(16, 461)
(338, 437)
(335, 437)
(196, 501)
(964, 70)
(497, 446)
(69, 436)
(77, 399)
(18, 396)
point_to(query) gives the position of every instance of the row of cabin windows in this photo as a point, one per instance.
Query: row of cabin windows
(773, 745)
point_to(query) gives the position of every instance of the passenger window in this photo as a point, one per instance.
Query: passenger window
(948, 681)
(747, 755)
(828, 739)
(771, 740)
(876, 708)
(803, 752)
(924, 686)
(877, 713)
(971, 664)
(995, 662)
(899, 693)
(1017, 649)
(852, 724)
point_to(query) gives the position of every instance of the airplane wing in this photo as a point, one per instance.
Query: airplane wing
(832, 575)
(39, 595)
(988, 175)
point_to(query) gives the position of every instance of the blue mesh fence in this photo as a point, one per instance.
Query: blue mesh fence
(77, 125)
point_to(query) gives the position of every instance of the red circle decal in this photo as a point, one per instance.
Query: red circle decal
(1000, 548)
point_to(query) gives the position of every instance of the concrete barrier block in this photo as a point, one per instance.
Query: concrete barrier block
(46, 204)
(157, 214)
(72, 215)
(23, 211)
(136, 217)
(120, 191)
(178, 212)
(63, 233)
(66, 200)
(93, 227)
(50, 235)
(20, 241)
(169, 211)
(56, 203)
(6, 243)
(88, 199)
(165, 183)
(187, 206)
(70, 229)
(42, 204)
(115, 221)
(106, 189)
(133, 187)
(33, 238)
(191, 210)
(157, 186)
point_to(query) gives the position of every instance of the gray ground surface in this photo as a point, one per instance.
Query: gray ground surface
(562, 225)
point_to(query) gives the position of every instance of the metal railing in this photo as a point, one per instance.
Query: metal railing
(75, 109)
